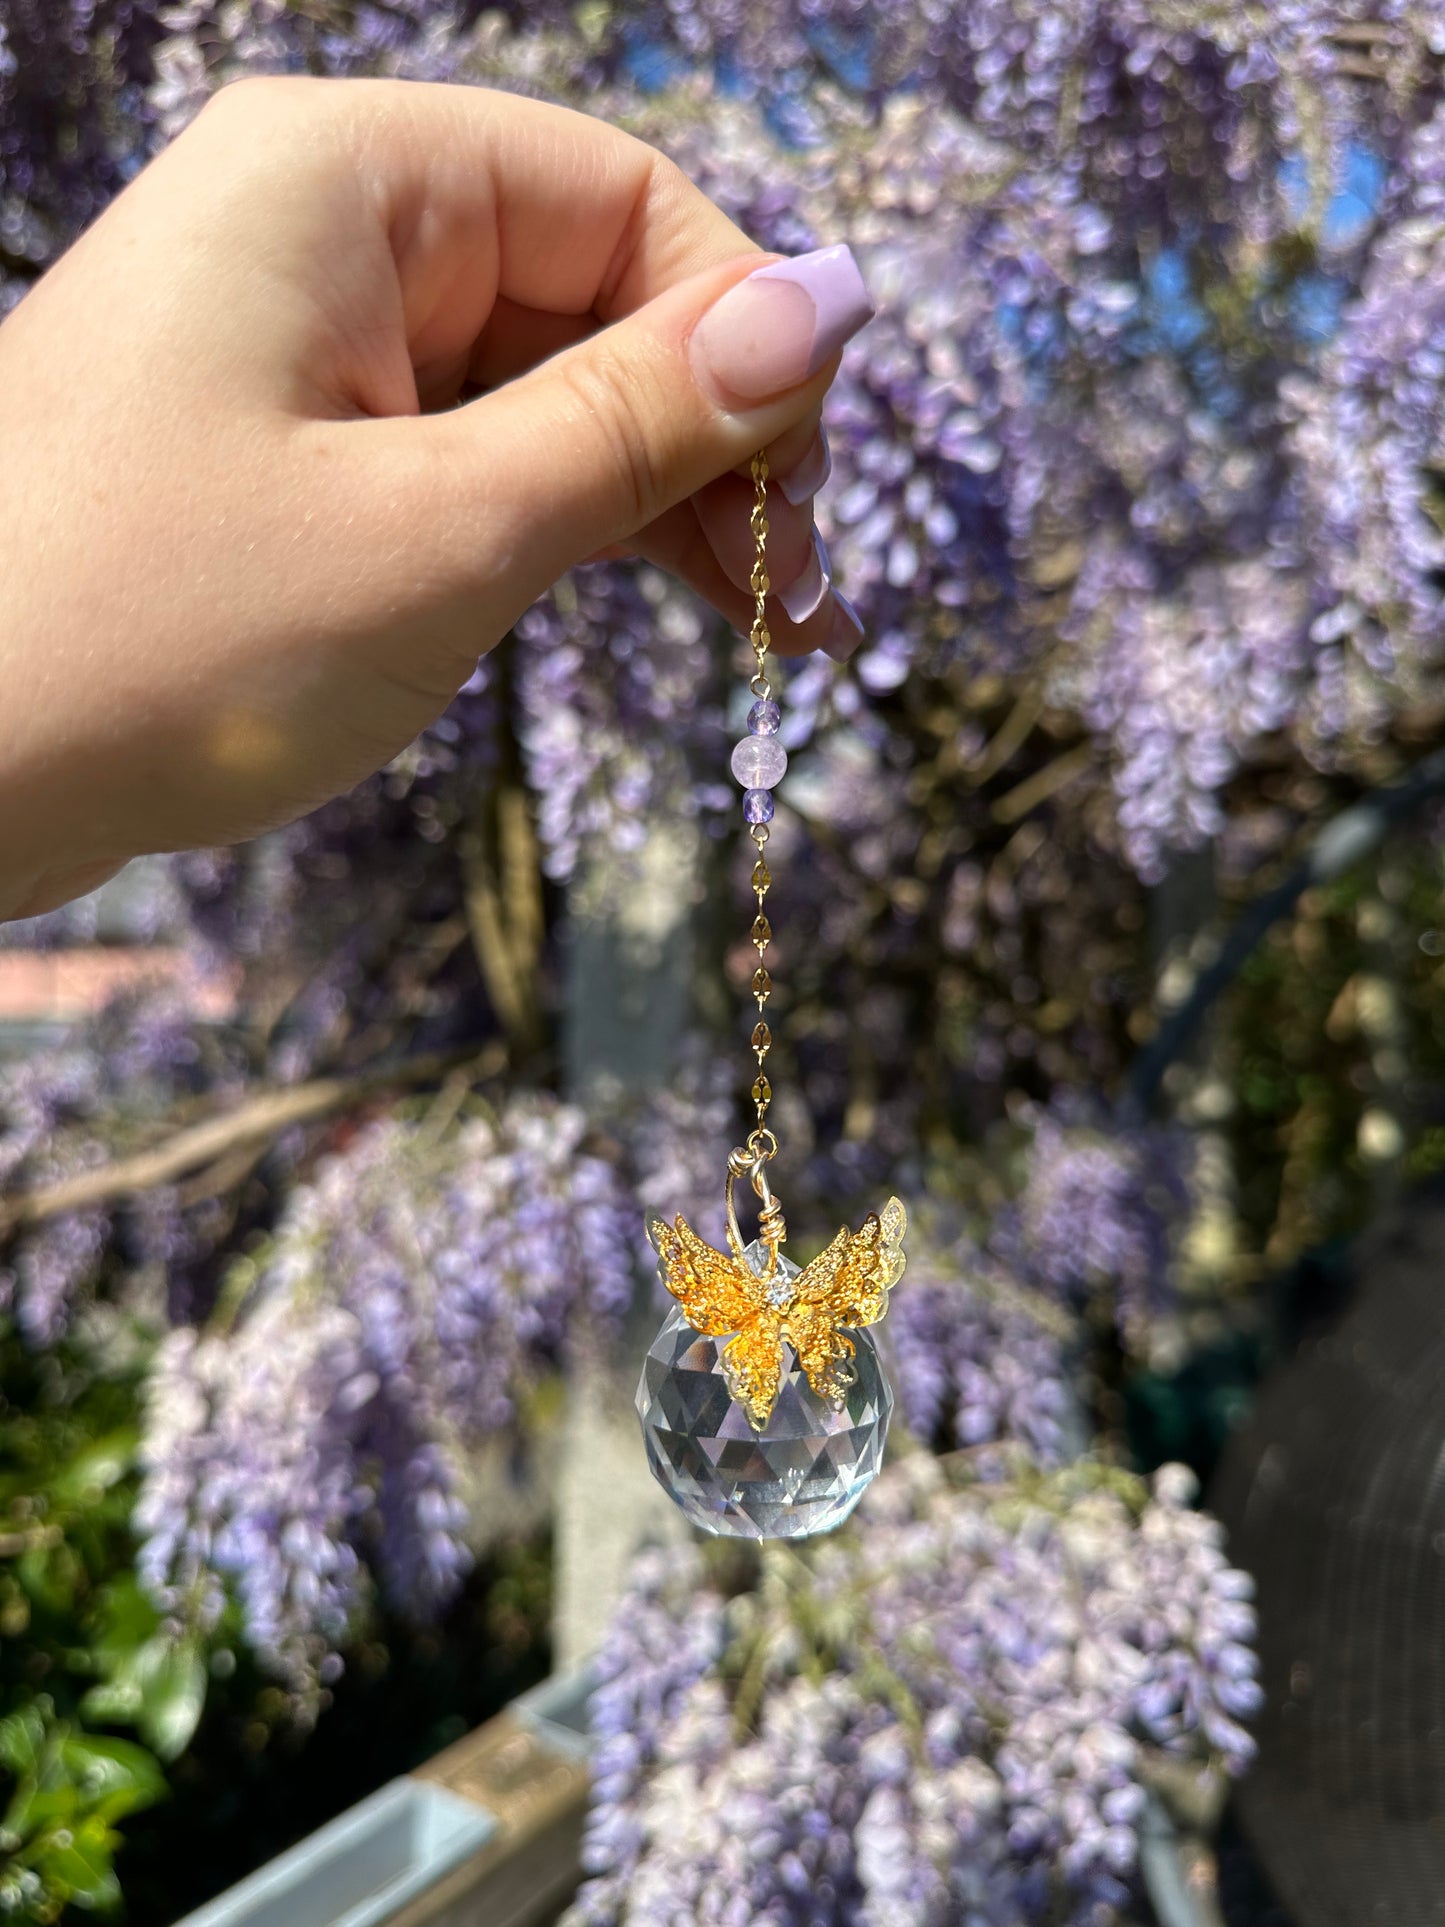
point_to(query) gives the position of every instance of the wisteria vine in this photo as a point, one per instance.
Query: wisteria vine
(1137, 485)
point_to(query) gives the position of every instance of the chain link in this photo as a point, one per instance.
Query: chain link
(762, 879)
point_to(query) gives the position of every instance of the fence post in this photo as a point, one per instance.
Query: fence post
(629, 959)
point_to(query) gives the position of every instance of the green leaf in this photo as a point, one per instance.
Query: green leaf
(22, 1741)
(83, 1868)
(35, 1807)
(125, 1618)
(124, 1623)
(158, 1686)
(115, 1777)
(113, 1702)
(173, 1694)
(94, 1471)
(50, 1576)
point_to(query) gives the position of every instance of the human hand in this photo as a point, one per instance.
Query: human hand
(250, 547)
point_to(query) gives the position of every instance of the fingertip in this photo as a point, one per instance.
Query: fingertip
(791, 638)
(782, 325)
(809, 590)
(845, 631)
(788, 449)
(724, 509)
(803, 481)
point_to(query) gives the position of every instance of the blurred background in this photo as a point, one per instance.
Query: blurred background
(1109, 933)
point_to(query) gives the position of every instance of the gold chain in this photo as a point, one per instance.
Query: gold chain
(761, 1141)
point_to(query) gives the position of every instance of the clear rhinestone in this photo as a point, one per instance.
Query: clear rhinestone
(780, 1292)
(802, 1474)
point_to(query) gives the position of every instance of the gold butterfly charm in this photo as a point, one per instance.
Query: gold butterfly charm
(844, 1288)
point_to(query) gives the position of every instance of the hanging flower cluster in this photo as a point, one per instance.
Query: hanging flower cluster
(946, 1715)
(413, 1293)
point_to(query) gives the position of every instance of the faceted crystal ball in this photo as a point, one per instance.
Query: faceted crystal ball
(802, 1474)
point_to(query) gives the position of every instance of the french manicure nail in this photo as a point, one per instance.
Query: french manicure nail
(777, 327)
(802, 597)
(847, 630)
(806, 477)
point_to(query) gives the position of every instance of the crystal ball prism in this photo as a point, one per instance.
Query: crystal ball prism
(802, 1474)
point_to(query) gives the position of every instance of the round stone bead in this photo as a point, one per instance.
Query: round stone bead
(758, 806)
(759, 762)
(764, 719)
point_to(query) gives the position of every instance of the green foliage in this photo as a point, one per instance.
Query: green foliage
(70, 1788)
(76, 1635)
(156, 1684)
(1335, 1044)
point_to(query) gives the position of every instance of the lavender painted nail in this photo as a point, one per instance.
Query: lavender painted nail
(802, 597)
(777, 327)
(806, 477)
(847, 630)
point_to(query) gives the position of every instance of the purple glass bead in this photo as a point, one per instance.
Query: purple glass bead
(764, 719)
(759, 762)
(758, 806)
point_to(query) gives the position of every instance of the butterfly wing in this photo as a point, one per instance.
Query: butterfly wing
(717, 1293)
(844, 1288)
(752, 1365)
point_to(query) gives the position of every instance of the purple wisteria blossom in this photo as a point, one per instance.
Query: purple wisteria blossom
(143, 1054)
(412, 1294)
(648, 1672)
(1369, 435)
(761, 1831)
(612, 684)
(252, 1478)
(72, 122)
(1183, 685)
(1099, 1215)
(54, 1267)
(974, 1365)
(679, 1140)
(948, 1711)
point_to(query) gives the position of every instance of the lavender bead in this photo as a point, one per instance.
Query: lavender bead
(758, 806)
(764, 719)
(759, 762)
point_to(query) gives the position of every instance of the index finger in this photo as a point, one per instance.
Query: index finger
(487, 194)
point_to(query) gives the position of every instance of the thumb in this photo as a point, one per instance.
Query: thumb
(598, 441)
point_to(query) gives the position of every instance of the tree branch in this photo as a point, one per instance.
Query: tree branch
(213, 1142)
(1044, 782)
(502, 894)
(1010, 737)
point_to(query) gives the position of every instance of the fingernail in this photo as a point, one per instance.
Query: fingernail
(807, 476)
(773, 330)
(802, 597)
(847, 630)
